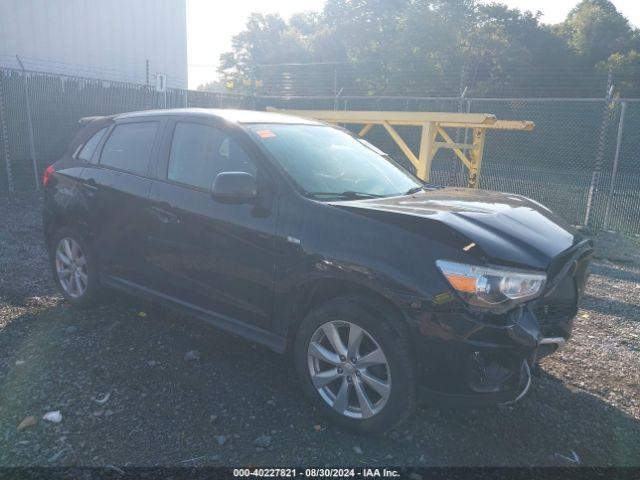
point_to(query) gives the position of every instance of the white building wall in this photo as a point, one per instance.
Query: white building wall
(108, 39)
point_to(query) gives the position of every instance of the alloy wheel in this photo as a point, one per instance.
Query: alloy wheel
(348, 369)
(71, 267)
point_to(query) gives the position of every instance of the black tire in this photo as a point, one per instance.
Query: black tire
(92, 292)
(377, 320)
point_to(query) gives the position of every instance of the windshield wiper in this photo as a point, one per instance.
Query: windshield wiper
(413, 190)
(426, 186)
(348, 195)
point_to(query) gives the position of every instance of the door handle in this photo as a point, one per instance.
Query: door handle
(165, 216)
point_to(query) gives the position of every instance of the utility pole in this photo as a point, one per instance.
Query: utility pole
(614, 172)
(32, 145)
(602, 143)
(5, 134)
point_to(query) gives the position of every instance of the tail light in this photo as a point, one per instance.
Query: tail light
(46, 176)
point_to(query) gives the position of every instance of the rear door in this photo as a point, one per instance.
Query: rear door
(66, 200)
(118, 184)
(213, 255)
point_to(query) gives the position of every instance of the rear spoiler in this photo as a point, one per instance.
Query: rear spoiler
(86, 120)
(83, 134)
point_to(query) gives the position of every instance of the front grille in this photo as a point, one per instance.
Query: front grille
(551, 312)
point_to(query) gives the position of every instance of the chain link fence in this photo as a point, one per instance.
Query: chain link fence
(582, 160)
(379, 80)
(34, 134)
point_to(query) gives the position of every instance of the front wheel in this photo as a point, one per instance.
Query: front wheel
(354, 365)
(74, 268)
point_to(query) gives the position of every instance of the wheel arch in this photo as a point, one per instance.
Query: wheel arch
(319, 291)
(57, 221)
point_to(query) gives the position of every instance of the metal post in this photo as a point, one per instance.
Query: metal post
(454, 171)
(595, 176)
(5, 134)
(253, 87)
(466, 134)
(425, 156)
(147, 92)
(614, 171)
(335, 100)
(32, 145)
(479, 136)
(466, 130)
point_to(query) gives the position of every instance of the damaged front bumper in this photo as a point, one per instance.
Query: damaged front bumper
(483, 359)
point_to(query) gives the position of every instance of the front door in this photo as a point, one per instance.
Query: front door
(214, 255)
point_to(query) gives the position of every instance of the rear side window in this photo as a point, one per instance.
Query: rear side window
(87, 150)
(129, 147)
(200, 152)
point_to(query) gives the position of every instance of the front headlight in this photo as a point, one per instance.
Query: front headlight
(488, 288)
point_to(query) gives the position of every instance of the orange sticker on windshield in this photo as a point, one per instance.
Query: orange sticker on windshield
(265, 133)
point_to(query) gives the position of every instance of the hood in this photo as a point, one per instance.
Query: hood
(508, 228)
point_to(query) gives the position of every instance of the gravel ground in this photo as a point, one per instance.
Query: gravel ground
(130, 395)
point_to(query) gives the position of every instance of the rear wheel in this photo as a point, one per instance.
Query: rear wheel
(74, 268)
(354, 365)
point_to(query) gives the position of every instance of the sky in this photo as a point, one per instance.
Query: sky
(212, 23)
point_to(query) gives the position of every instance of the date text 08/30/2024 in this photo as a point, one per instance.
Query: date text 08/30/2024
(316, 472)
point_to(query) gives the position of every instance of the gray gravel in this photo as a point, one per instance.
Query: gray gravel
(132, 391)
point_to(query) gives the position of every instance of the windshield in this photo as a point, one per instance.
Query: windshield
(329, 163)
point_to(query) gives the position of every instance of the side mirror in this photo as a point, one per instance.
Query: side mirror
(234, 187)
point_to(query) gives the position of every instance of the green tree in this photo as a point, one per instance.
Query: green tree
(404, 46)
(267, 39)
(626, 70)
(504, 44)
(594, 30)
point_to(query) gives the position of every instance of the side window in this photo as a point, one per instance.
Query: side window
(86, 151)
(200, 152)
(129, 147)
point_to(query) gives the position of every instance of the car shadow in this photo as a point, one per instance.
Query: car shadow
(610, 306)
(130, 394)
(598, 268)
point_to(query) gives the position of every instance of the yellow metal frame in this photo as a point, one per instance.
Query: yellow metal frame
(432, 125)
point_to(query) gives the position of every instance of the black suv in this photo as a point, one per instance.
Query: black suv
(306, 238)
